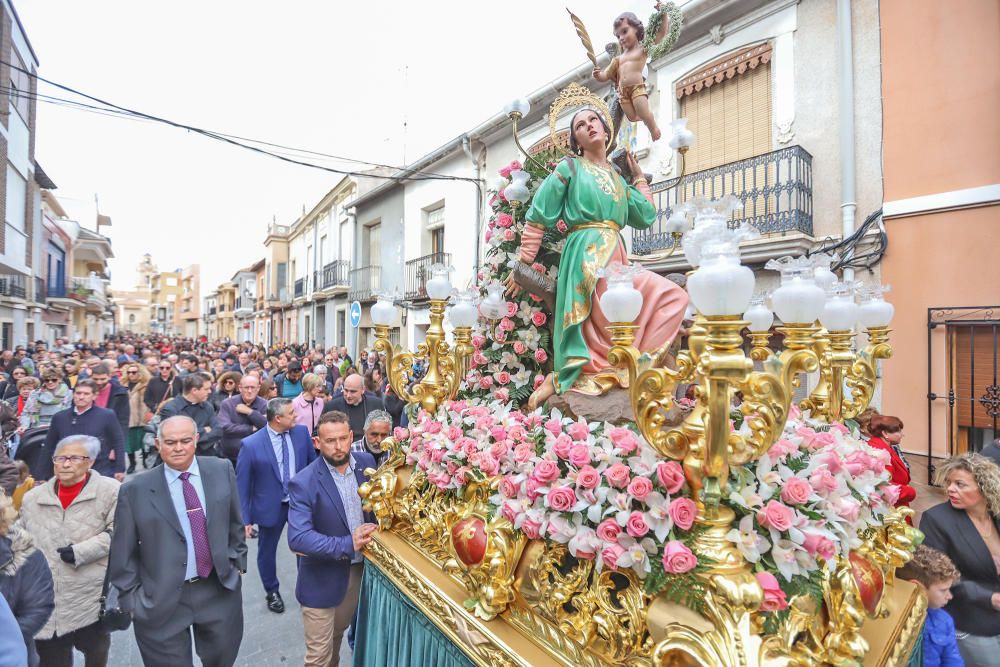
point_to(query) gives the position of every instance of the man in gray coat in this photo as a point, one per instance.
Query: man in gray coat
(178, 553)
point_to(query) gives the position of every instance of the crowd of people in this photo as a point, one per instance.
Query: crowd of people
(243, 442)
(239, 441)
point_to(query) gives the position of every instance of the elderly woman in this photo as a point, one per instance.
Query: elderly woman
(308, 405)
(71, 518)
(25, 579)
(966, 528)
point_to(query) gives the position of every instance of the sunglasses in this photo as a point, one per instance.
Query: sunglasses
(131, 372)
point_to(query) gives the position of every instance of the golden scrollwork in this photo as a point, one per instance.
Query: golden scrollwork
(380, 490)
(862, 374)
(575, 95)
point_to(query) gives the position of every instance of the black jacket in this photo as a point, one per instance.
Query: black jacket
(356, 414)
(204, 417)
(118, 403)
(98, 422)
(952, 532)
(26, 584)
(158, 390)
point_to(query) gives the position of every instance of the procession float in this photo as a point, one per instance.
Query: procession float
(607, 468)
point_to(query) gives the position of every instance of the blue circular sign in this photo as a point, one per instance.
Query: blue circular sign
(355, 314)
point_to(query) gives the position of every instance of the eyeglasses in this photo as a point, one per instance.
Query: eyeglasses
(48, 380)
(164, 368)
(71, 459)
(131, 372)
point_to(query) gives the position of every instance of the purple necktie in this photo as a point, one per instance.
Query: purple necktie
(199, 530)
(284, 464)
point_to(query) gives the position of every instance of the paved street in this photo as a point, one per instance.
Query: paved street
(268, 638)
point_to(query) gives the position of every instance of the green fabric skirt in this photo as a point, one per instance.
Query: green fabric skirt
(135, 436)
(392, 632)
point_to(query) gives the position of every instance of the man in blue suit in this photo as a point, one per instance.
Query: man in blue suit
(267, 462)
(328, 529)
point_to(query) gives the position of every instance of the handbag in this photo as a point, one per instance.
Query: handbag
(111, 615)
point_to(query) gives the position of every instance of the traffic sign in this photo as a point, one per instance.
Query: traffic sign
(355, 314)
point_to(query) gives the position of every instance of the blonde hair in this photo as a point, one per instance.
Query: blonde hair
(7, 512)
(983, 470)
(311, 381)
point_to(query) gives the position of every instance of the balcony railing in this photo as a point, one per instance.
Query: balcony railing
(40, 293)
(418, 272)
(365, 283)
(334, 274)
(300, 288)
(12, 285)
(776, 189)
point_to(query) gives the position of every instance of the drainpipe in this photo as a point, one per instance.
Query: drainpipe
(355, 258)
(845, 57)
(467, 149)
(312, 295)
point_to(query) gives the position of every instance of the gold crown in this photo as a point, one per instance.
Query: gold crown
(575, 95)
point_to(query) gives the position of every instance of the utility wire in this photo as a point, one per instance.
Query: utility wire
(406, 175)
(846, 246)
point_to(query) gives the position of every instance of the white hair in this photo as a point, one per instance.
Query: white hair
(89, 442)
(159, 427)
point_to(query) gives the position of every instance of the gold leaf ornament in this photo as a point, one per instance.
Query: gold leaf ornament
(576, 96)
(581, 31)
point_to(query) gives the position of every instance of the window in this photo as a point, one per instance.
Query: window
(171, 282)
(373, 245)
(322, 251)
(17, 199)
(437, 240)
(731, 118)
(341, 327)
(56, 271)
(344, 249)
(282, 281)
(20, 86)
(435, 218)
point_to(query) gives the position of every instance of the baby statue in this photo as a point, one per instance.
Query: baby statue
(626, 68)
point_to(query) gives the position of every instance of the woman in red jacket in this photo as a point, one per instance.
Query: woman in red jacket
(887, 433)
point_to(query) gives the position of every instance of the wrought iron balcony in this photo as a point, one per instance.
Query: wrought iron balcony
(12, 285)
(40, 293)
(365, 283)
(776, 189)
(300, 288)
(335, 274)
(418, 272)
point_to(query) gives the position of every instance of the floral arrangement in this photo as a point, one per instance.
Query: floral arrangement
(511, 356)
(672, 13)
(808, 499)
(599, 489)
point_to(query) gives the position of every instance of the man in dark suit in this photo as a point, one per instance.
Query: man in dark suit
(328, 529)
(194, 403)
(178, 551)
(267, 462)
(111, 395)
(85, 418)
(355, 404)
(241, 416)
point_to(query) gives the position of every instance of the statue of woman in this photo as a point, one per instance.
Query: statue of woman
(595, 203)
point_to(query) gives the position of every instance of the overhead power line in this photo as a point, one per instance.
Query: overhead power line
(115, 110)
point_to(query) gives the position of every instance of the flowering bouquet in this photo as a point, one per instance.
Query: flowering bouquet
(512, 355)
(599, 489)
(806, 501)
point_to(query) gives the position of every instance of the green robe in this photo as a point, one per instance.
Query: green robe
(582, 193)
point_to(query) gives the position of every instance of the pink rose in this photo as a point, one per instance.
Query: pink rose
(485, 382)
(796, 491)
(774, 597)
(505, 172)
(508, 235)
(579, 455)
(561, 498)
(890, 493)
(519, 347)
(479, 359)
(588, 478)
(489, 465)
(506, 324)
(503, 377)
(819, 545)
(840, 428)
(610, 555)
(823, 481)
(683, 511)
(508, 512)
(677, 558)
(636, 525)
(608, 530)
(531, 489)
(617, 475)
(515, 165)
(478, 341)
(400, 433)
(639, 488)
(561, 226)
(562, 445)
(848, 509)
(546, 471)
(623, 439)
(578, 431)
(776, 515)
(508, 487)
(523, 452)
(539, 380)
(489, 235)
(532, 529)
(538, 319)
(541, 355)
(511, 309)
(502, 395)
(671, 476)
(505, 220)
(553, 426)
(433, 428)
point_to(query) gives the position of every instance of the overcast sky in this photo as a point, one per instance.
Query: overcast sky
(330, 76)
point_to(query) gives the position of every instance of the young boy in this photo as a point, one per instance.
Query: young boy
(936, 574)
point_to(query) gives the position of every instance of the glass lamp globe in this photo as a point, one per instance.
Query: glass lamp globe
(465, 310)
(517, 192)
(621, 302)
(759, 315)
(721, 285)
(384, 311)
(493, 305)
(839, 312)
(875, 311)
(518, 106)
(824, 277)
(680, 136)
(678, 222)
(439, 285)
(799, 300)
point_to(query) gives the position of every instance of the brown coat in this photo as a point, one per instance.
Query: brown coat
(137, 405)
